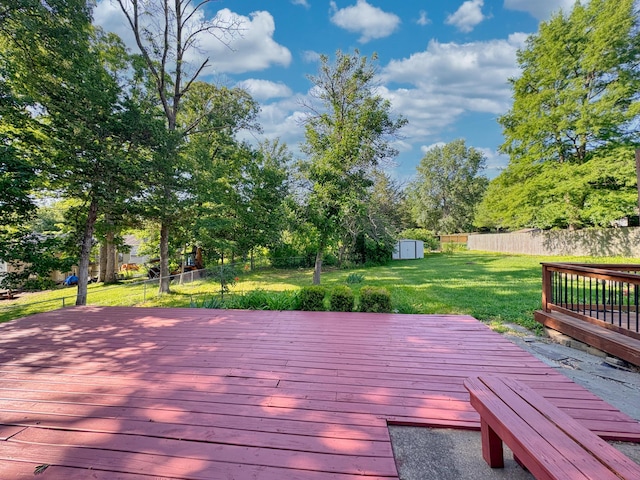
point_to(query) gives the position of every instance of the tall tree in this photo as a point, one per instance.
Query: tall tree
(448, 187)
(371, 237)
(579, 84)
(572, 128)
(70, 73)
(167, 33)
(216, 162)
(346, 137)
(21, 151)
(564, 195)
(262, 191)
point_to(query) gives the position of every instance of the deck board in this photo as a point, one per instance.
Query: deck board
(206, 394)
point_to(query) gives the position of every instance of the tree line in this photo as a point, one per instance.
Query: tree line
(96, 140)
(570, 134)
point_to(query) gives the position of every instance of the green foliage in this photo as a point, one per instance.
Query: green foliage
(341, 299)
(345, 139)
(226, 275)
(449, 248)
(487, 286)
(375, 300)
(558, 195)
(38, 284)
(571, 131)
(253, 300)
(30, 256)
(211, 302)
(287, 300)
(430, 240)
(286, 256)
(312, 298)
(578, 85)
(371, 252)
(448, 187)
(354, 278)
(92, 141)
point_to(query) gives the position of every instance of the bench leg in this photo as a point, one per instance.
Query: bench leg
(520, 463)
(491, 446)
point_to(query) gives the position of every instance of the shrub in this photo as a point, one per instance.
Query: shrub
(38, 284)
(377, 253)
(353, 278)
(226, 275)
(375, 300)
(312, 298)
(212, 302)
(450, 247)
(341, 299)
(282, 301)
(431, 242)
(253, 300)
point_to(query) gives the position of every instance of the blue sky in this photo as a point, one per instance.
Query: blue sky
(443, 64)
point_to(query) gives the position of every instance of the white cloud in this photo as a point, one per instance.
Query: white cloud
(428, 148)
(264, 89)
(371, 22)
(304, 3)
(309, 56)
(423, 19)
(437, 86)
(255, 49)
(467, 16)
(496, 162)
(251, 49)
(540, 9)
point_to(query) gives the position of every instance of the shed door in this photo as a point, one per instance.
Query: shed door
(408, 250)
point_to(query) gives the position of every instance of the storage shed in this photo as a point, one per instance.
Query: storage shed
(408, 249)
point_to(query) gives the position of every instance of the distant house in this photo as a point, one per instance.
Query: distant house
(133, 255)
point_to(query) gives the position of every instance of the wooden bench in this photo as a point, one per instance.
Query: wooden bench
(544, 440)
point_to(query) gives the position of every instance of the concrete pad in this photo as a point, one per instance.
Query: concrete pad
(447, 454)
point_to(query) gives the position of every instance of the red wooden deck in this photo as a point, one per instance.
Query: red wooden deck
(123, 393)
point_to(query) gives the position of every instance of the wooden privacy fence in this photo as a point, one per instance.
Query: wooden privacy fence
(595, 303)
(454, 238)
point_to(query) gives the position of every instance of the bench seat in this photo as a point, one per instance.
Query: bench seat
(544, 440)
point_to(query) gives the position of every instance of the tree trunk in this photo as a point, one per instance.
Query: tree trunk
(85, 252)
(103, 261)
(164, 259)
(110, 273)
(183, 264)
(318, 267)
(199, 262)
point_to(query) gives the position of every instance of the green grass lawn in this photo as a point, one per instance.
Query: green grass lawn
(491, 287)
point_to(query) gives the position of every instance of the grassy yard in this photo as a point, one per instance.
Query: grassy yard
(491, 287)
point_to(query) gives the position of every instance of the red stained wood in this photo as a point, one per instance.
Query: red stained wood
(187, 393)
(547, 441)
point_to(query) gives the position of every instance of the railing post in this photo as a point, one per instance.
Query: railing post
(546, 288)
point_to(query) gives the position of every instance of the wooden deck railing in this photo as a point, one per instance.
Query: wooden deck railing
(602, 294)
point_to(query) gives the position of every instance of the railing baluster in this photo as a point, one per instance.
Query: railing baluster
(590, 298)
(635, 306)
(620, 303)
(584, 296)
(597, 300)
